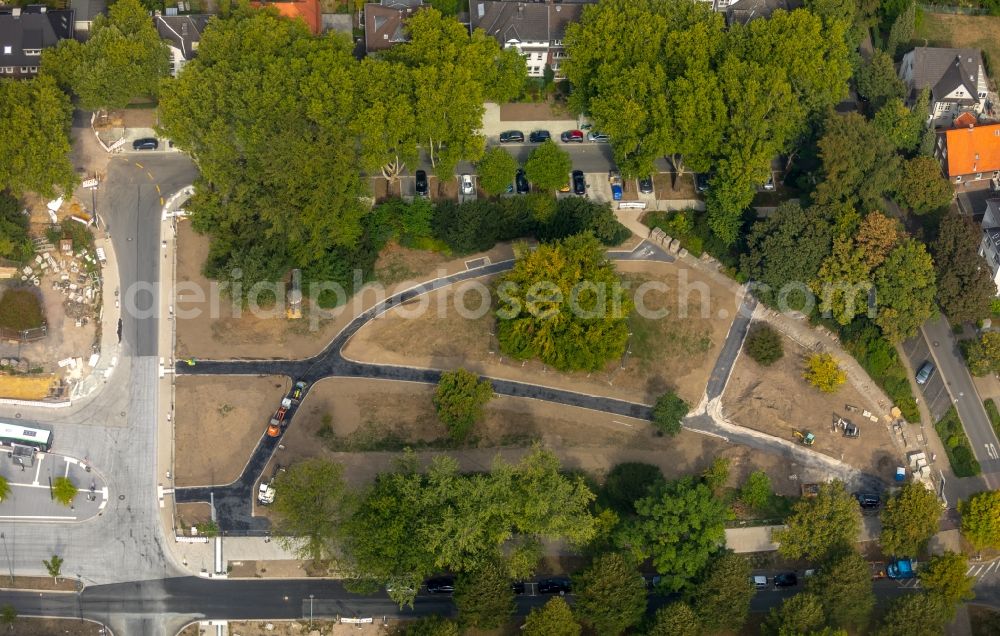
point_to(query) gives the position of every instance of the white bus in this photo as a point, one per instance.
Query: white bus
(11, 434)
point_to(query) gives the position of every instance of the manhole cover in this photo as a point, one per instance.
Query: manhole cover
(123, 413)
(17, 415)
(121, 497)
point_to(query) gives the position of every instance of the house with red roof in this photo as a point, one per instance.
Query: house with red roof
(306, 10)
(969, 155)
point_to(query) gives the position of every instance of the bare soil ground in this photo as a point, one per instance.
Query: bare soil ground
(349, 420)
(301, 628)
(191, 514)
(664, 188)
(219, 332)
(49, 626)
(39, 583)
(532, 112)
(676, 352)
(776, 400)
(219, 421)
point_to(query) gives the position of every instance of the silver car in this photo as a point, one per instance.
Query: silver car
(467, 186)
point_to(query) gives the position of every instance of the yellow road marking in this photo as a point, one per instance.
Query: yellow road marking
(139, 165)
(157, 188)
(149, 174)
(161, 201)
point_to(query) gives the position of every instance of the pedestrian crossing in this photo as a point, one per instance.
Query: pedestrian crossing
(984, 570)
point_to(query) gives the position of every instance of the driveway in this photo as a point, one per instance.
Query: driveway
(951, 367)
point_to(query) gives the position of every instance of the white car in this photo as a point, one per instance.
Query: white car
(467, 187)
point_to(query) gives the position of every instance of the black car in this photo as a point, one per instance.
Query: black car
(440, 585)
(146, 143)
(422, 183)
(701, 182)
(517, 587)
(868, 501)
(787, 579)
(646, 185)
(579, 184)
(538, 136)
(521, 182)
(511, 136)
(555, 585)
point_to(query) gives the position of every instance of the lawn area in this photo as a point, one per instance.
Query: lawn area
(972, 31)
(956, 444)
(994, 413)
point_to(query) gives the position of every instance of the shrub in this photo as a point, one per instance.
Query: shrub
(668, 412)
(764, 345)
(823, 372)
(879, 358)
(949, 429)
(21, 309)
(460, 400)
(756, 492)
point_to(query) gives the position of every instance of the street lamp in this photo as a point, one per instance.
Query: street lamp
(310, 610)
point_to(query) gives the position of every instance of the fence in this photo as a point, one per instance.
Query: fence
(25, 335)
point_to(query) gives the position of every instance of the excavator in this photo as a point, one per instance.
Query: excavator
(805, 437)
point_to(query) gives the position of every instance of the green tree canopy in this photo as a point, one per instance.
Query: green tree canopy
(483, 596)
(721, 599)
(843, 281)
(496, 170)
(981, 519)
(628, 482)
(877, 80)
(945, 575)
(844, 587)
(555, 618)
(4, 488)
(858, 165)
(781, 281)
(15, 241)
(64, 490)
(820, 525)
(676, 619)
(756, 492)
(387, 127)
(548, 166)
(124, 58)
(799, 614)
(610, 595)
(668, 412)
(909, 520)
(920, 614)
(902, 126)
(429, 626)
(460, 400)
(35, 119)
(905, 290)
(922, 187)
(311, 504)
(680, 525)
(964, 287)
(764, 345)
(561, 304)
(54, 566)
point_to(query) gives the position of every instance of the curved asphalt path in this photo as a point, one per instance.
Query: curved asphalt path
(233, 501)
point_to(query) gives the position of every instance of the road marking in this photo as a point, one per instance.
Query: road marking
(622, 423)
(37, 518)
(161, 202)
(978, 570)
(991, 450)
(139, 165)
(38, 470)
(150, 175)
(158, 190)
(992, 565)
(971, 568)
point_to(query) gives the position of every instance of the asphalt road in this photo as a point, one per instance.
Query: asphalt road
(731, 348)
(951, 367)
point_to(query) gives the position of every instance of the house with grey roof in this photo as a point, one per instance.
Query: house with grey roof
(84, 12)
(536, 29)
(743, 11)
(385, 23)
(955, 77)
(25, 32)
(989, 247)
(182, 33)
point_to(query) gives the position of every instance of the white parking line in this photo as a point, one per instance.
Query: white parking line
(38, 469)
(992, 565)
(978, 570)
(971, 568)
(37, 518)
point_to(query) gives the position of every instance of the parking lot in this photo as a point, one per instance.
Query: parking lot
(30, 496)
(934, 393)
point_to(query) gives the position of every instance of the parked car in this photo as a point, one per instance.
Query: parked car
(441, 585)
(280, 414)
(615, 179)
(579, 183)
(759, 582)
(521, 181)
(598, 137)
(769, 184)
(146, 143)
(538, 136)
(422, 187)
(467, 186)
(901, 569)
(786, 579)
(701, 182)
(273, 428)
(517, 587)
(298, 390)
(868, 500)
(555, 585)
(925, 372)
(572, 136)
(646, 185)
(511, 136)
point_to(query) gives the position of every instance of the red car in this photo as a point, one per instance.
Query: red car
(572, 136)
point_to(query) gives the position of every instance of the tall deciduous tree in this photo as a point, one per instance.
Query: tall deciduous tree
(902, 29)
(561, 304)
(311, 504)
(35, 121)
(909, 520)
(680, 525)
(905, 289)
(483, 596)
(676, 619)
(496, 170)
(548, 166)
(843, 282)
(877, 80)
(668, 412)
(981, 519)
(555, 618)
(844, 587)
(922, 188)
(722, 597)
(821, 525)
(919, 614)
(900, 125)
(610, 595)
(965, 287)
(800, 614)
(460, 400)
(946, 576)
(876, 237)
(387, 129)
(124, 58)
(859, 167)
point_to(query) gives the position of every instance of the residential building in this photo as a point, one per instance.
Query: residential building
(84, 12)
(535, 29)
(989, 248)
(306, 10)
(970, 156)
(955, 77)
(182, 34)
(385, 23)
(25, 32)
(743, 11)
